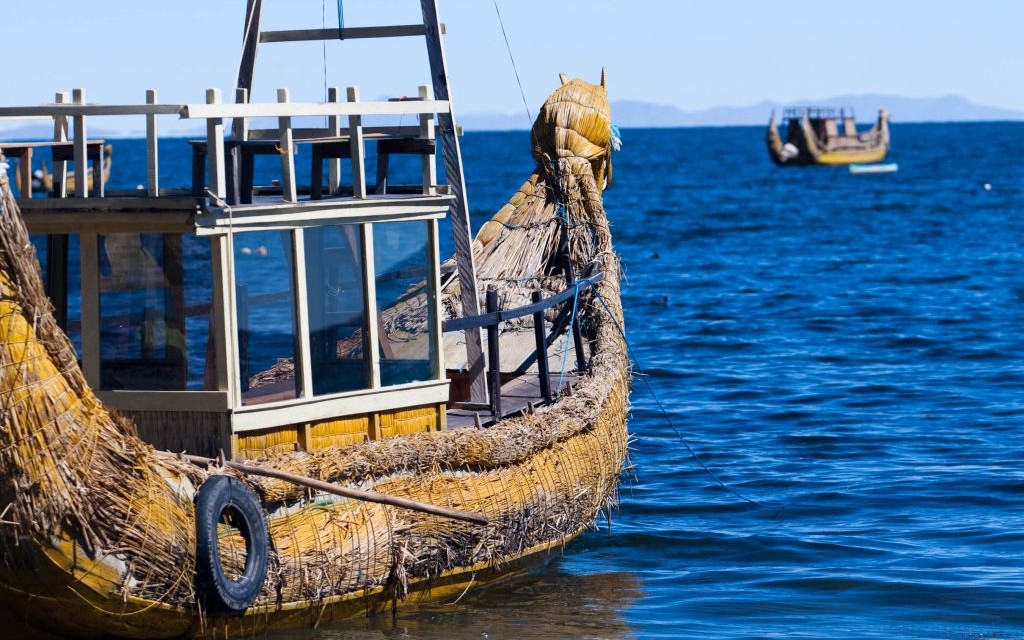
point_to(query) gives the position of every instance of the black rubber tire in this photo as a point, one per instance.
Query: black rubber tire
(219, 592)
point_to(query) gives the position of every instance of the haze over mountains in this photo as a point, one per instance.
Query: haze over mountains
(633, 113)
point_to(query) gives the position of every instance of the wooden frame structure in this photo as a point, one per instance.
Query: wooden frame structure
(212, 207)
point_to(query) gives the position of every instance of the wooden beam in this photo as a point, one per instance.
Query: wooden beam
(358, 154)
(89, 250)
(152, 157)
(303, 361)
(300, 109)
(347, 33)
(250, 45)
(215, 148)
(287, 149)
(81, 152)
(459, 212)
(60, 134)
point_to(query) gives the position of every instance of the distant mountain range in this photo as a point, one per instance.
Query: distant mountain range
(632, 113)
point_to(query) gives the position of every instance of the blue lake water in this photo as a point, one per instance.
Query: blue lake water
(843, 354)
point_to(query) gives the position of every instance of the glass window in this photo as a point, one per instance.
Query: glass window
(337, 309)
(265, 295)
(405, 302)
(155, 312)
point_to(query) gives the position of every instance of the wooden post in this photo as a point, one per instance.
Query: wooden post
(429, 166)
(355, 131)
(152, 158)
(333, 164)
(570, 278)
(459, 211)
(284, 124)
(215, 147)
(89, 252)
(303, 361)
(81, 149)
(60, 134)
(25, 173)
(540, 334)
(247, 63)
(494, 357)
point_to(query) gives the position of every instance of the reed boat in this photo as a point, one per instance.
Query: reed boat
(273, 406)
(814, 137)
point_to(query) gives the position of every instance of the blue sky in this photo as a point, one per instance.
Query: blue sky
(692, 55)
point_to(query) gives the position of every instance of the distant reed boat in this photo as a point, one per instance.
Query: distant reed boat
(826, 136)
(315, 429)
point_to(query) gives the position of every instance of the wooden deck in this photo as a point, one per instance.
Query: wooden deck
(516, 397)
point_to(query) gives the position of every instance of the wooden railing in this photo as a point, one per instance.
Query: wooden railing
(345, 124)
(495, 316)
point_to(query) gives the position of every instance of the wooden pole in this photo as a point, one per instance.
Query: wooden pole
(81, 154)
(355, 494)
(542, 348)
(247, 64)
(494, 357)
(152, 157)
(459, 211)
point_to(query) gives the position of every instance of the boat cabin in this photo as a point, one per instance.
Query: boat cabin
(223, 315)
(828, 123)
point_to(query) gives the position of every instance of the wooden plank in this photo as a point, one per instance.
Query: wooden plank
(358, 154)
(224, 317)
(334, 131)
(428, 163)
(493, 356)
(81, 153)
(302, 361)
(152, 157)
(215, 148)
(459, 212)
(299, 109)
(373, 324)
(308, 134)
(347, 33)
(434, 301)
(72, 109)
(287, 150)
(205, 401)
(334, 406)
(89, 250)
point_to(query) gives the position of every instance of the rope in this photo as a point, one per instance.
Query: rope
(661, 407)
(515, 68)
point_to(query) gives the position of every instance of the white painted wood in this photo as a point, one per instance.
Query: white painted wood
(81, 157)
(303, 362)
(347, 33)
(225, 317)
(355, 127)
(205, 401)
(301, 215)
(71, 109)
(428, 162)
(372, 313)
(461, 228)
(60, 134)
(339, 405)
(333, 130)
(152, 152)
(215, 148)
(298, 109)
(434, 300)
(287, 150)
(89, 255)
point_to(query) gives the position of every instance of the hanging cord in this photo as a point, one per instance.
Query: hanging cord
(661, 407)
(529, 118)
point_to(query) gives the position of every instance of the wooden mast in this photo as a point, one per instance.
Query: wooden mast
(459, 210)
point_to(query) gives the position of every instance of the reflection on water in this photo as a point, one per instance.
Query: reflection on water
(552, 604)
